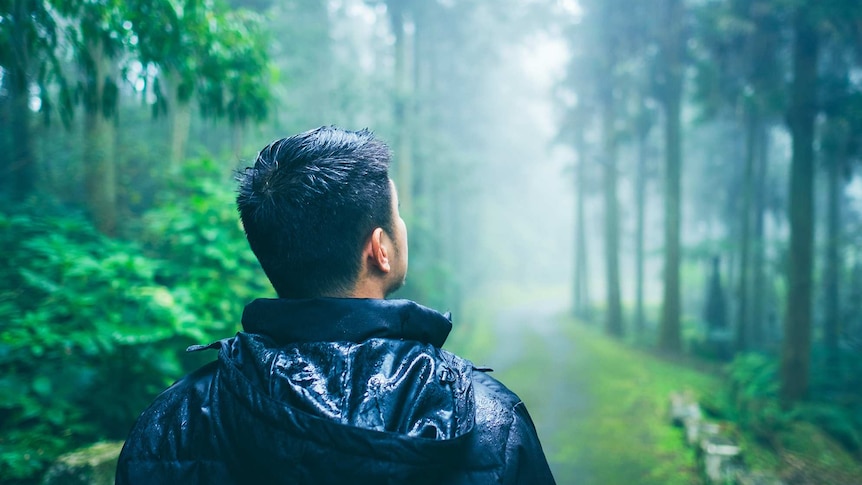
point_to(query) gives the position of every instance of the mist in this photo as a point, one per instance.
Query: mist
(631, 209)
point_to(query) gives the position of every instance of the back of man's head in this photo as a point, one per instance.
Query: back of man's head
(309, 204)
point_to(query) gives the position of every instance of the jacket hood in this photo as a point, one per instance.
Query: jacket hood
(350, 387)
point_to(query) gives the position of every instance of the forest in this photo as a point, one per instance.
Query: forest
(617, 200)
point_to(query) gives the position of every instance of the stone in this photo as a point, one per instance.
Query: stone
(720, 458)
(682, 407)
(696, 429)
(95, 464)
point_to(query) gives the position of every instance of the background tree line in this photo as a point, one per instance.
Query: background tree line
(684, 170)
(737, 123)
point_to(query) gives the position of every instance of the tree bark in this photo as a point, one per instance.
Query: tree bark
(832, 276)
(614, 321)
(403, 146)
(21, 168)
(99, 134)
(743, 330)
(758, 278)
(237, 139)
(640, 208)
(581, 286)
(795, 355)
(180, 112)
(670, 334)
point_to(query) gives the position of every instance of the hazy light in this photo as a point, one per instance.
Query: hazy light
(573, 8)
(855, 76)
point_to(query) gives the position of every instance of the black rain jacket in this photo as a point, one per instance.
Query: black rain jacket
(335, 391)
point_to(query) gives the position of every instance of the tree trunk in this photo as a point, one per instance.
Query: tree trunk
(180, 112)
(99, 134)
(402, 146)
(581, 286)
(181, 119)
(743, 330)
(20, 168)
(614, 322)
(758, 280)
(670, 334)
(832, 276)
(670, 337)
(640, 208)
(237, 138)
(795, 356)
(5, 139)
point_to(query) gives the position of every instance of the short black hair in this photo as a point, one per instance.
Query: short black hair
(309, 204)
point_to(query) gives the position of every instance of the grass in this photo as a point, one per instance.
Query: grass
(613, 427)
(601, 405)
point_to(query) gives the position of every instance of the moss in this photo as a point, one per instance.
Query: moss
(94, 465)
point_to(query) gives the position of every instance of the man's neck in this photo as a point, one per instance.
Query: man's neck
(367, 289)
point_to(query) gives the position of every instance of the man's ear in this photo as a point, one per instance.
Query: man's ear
(379, 248)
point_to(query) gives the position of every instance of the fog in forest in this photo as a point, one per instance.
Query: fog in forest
(646, 216)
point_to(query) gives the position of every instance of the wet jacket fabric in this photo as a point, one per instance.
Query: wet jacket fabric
(335, 391)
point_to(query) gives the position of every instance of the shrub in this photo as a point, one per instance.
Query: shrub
(82, 340)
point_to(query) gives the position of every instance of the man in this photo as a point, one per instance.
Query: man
(330, 383)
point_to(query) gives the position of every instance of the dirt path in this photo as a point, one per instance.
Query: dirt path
(535, 358)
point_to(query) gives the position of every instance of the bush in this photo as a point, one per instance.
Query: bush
(82, 341)
(195, 228)
(754, 387)
(93, 328)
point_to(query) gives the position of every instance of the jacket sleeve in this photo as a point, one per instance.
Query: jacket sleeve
(525, 460)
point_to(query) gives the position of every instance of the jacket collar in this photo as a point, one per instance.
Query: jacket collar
(344, 319)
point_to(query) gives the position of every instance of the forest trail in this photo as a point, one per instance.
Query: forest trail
(598, 405)
(532, 346)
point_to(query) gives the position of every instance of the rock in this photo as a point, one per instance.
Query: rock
(93, 465)
(697, 429)
(682, 407)
(720, 458)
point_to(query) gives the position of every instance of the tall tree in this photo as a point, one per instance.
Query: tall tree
(795, 356)
(403, 106)
(643, 122)
(609, 46)
(835, 150)
(672, 48)
(839, 145)
(581, 296)
(207, 52)
(99, 40)
(28, 57)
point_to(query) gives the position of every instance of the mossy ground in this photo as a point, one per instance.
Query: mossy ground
(601, 406)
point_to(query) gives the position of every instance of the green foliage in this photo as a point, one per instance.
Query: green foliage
(235, 70)
(195, 227)
(836, 421)
(207, 49)
(94, 327)
(754, 387)
(81, 346)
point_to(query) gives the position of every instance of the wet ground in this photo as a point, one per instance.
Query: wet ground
(599, 406)
(536, 358)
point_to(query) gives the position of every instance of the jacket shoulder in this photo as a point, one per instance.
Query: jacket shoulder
(502, 419)
(173, 436)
